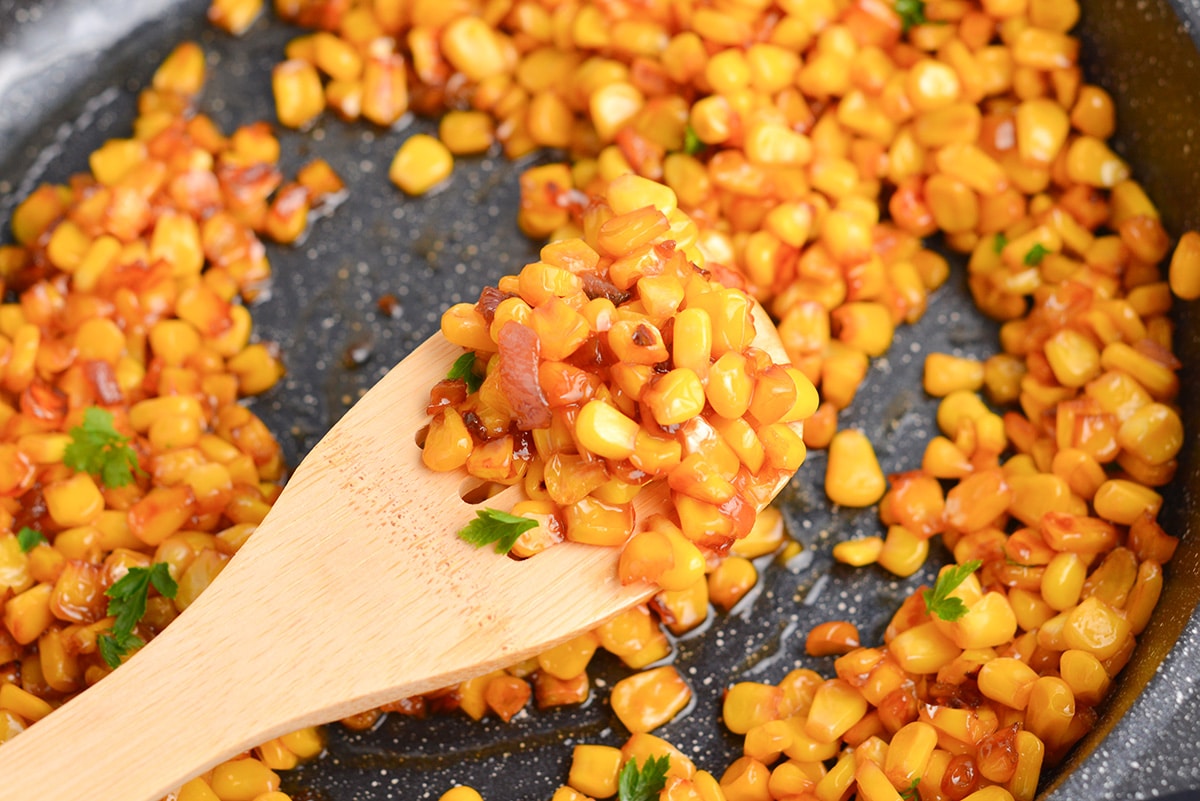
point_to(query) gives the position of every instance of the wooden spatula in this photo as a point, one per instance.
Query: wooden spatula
(355, 591)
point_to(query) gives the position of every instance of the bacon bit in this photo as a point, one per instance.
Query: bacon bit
(643, 154)
(475, 427)
(489, 299)
(1155, 351)
(595, 286)
(104, 381)
(727, 276)
(447, 392)
(414, 707)
(520, 352)
(389, 306)
(44, 402)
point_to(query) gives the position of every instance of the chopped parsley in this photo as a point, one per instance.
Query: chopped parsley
(911, 793)
(911, 12)
(938, 600)
(464, 368)
(1035, 255)
(28, 539)
(644, 784)
(127, 603)
(691, 143)
(98, 448)
(999, 242)
(492, 525)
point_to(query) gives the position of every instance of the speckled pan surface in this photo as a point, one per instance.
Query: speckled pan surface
(69, 71)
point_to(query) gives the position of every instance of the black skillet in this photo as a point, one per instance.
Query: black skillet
(69, 71)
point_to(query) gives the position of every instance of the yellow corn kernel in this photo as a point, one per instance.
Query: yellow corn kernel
(646, 700)
(1007, 681)
(22, 702)
(746, 779)
(859, 552)
(1154, 433)
(605, 431)
(730, 581)
(1073, 357)
(865, 325)
(945, 374)
(903, 552)
(594, 770)
(420, 164)
(1184, 271)
(675, 397)
(852, 475)
(1063, 580)
(243, 780)
(299, 96)
(461, 793)
(74, 501)
(1095, 627)
(1123, 502)
(835, 708)
(1090, 162)
(923, 649)
(909, 753)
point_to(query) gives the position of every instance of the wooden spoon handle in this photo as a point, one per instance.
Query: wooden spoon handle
(352, 593)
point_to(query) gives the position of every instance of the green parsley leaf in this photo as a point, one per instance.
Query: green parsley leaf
(127, 603)
(911, 12)
(28, 539)
(98, 448)
(644, 784)
(999, 242)
(464, 368)
(911, 793)
(1035, 255)
(492, 525)
(691, 143)
(113, 647)
(938, 600)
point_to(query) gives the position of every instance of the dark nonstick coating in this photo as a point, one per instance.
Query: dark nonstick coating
(69, 71)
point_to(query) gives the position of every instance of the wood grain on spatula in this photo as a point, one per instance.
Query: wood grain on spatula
(354, 591)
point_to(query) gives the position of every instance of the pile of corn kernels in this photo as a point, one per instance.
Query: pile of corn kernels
(810, 147)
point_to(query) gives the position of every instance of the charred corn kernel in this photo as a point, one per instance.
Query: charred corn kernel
(420, 164)
(832, 637)
(859, 552)
(852, 475)
(243, 780)
(646, 700)
(594, 770)
(835, 708)
(299, 96)
(463, 793)
(903, 552)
